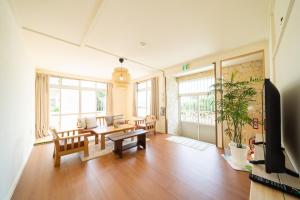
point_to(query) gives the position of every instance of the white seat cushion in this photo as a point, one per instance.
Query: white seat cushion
(119, 119)
(81, 122)
(109, 120)
(91, 122)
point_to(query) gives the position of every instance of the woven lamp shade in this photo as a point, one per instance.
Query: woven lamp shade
(121, 72)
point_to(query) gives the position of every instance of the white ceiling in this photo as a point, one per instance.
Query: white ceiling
(60, 33)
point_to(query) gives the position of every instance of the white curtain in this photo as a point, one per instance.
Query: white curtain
(41, 105)
(109, 99)
(134, 106)
(154, 110)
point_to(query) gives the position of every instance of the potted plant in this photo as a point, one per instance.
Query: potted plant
(232, 109)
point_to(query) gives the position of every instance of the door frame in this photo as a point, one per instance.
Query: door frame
(198, 96)
(221, 74)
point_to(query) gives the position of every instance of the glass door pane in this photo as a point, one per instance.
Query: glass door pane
(88, 101)
(69, 121)
(197, 113)
(101, 101)
(54, 107)
(69, 101)
(207, 109)
(189, 116)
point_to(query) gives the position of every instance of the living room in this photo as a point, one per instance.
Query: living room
(107, 99)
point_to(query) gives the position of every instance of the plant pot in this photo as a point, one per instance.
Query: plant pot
(238, 155)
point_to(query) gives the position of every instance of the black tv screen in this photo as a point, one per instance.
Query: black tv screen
(274, 157)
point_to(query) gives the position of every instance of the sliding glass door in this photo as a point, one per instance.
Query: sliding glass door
(197, 109)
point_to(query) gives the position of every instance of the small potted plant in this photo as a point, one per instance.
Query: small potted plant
(232, 109)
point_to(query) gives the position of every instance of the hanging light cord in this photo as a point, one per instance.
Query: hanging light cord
(121, 61)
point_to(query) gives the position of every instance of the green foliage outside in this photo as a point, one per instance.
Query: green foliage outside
(206, 103)
(55, 109)
(100, 100)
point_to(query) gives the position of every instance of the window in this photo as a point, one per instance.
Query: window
(143, 98)
(196, 105)
(70, 99)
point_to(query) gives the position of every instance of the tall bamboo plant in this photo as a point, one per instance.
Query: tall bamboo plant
(232, 107)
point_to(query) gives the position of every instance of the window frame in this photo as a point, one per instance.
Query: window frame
(147, 90)
(78, 88)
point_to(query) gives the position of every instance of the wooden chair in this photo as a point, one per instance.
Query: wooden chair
(139, 122)
(102, 121)
(149, 124)
(68, 142)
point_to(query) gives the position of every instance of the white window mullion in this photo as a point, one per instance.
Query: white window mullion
(146, 98)
(59, 118)
(79, 114)
(198, 117)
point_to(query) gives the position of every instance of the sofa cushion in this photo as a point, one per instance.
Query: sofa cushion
(119, 119)
(109, 120)
(91, 122)
(81, 122)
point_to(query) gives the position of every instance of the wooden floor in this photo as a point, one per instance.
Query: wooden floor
(166, 170)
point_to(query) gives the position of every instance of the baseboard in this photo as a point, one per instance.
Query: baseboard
(17, 178)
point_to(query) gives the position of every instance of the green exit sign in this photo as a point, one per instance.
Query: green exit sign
(185, 67)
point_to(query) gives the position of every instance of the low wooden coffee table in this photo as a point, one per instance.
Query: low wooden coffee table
(102, 131)
(118, 141)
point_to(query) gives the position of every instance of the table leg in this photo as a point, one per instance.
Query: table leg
(118, 148)
(102, 141)
(141, 141)
(96, 139)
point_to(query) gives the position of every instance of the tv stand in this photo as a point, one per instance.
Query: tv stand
(287, 171)
(261, 162)
(258, 143)
(260, 191)
(291, 173)
(261, 142)
(257, 162)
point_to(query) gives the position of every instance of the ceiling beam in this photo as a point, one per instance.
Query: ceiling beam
(50, 36)
(89, 28)
(118, 56)
(93, 48)
(92, 21)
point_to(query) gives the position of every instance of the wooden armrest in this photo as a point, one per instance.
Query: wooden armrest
(68, 130)
(150, 123)
(74, 136)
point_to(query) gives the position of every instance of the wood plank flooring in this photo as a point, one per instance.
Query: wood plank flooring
(166, 170)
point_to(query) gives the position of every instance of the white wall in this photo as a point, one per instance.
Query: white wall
(120, 101)
(172, 106)
(16, 103)
(285, 56)
(162, 96)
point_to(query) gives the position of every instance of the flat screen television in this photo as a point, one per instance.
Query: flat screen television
(274, 157)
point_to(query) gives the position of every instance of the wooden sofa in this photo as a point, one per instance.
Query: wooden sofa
(101, 120)
(68, 142)
(149, 124)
